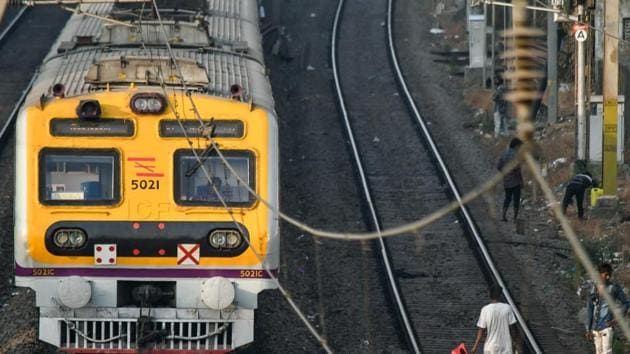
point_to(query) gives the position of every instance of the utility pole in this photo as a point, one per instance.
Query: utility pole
(611, 90)
(492, 48)
(484, 73)
(555, 15)
(581, 99)
(552, 69)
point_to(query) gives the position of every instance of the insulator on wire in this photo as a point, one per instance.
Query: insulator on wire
(524, 51)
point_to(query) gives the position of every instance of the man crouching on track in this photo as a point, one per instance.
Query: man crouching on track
(497, 321)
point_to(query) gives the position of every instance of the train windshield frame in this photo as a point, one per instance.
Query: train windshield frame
(192, 187)
(79, 176)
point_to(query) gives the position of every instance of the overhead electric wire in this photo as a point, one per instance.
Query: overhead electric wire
(284, 292)
(558, 11)
(356, 236)
(453, 188)
(576, 244)
(394, 231)
(526, 130)
(399, 230)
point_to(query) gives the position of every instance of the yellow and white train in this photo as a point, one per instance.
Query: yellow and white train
(119, 230)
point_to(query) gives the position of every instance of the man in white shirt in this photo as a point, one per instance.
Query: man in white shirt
(496, 321)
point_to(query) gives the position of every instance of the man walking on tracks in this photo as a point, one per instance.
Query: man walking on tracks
(496, 322)
(599, 317)
(513, 181)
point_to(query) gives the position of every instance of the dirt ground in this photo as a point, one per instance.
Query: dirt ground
(605, 236)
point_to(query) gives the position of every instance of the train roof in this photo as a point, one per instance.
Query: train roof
(215, 48)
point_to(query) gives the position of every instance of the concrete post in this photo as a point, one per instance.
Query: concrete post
(493, 47)
(611, 90)
(552, 69)
(484, 73)
(581, 98)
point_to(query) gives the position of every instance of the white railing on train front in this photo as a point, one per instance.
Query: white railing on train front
(123, 334)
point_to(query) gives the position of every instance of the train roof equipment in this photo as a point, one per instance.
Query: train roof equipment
(94, 55)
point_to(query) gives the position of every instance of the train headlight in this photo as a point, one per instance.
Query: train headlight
(140, 105)
(77, 238)
(154, 104)
(225, 239)
(233, 239)
(69, 238)
(61, 238)
(217, 239)
(148, 103)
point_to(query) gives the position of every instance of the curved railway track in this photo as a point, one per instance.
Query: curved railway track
(24, 40)
(438, 289)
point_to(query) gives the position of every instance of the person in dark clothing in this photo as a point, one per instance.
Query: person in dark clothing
(578, 185)
(513, 181)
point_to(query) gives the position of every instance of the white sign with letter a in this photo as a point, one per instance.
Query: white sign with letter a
(581, 34)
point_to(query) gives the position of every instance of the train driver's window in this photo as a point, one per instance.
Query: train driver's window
(78, 176)
(194, 188)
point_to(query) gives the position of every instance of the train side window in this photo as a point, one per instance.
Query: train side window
(79, 177)
(193, 188)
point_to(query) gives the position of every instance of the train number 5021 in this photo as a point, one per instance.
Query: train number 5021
(145, 184)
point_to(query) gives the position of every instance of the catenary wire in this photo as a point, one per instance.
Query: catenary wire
(579, 250)
(417, 225)
(405, 228)
(284, 292)
(395, 231)
(424, 222)
(453, 187)
(524, 117)
(414, 226)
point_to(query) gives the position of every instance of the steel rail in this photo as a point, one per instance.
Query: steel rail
(11, 119)
(12, 24)
(452, 185)
(408, 328)
(75, 2)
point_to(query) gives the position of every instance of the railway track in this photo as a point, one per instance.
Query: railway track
(29, 36)
(26, 37)
(11, 18)
(524, 272)
(438, 278)
(10, 21)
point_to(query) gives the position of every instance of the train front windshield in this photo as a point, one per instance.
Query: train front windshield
(194, 187)
(78, 177)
